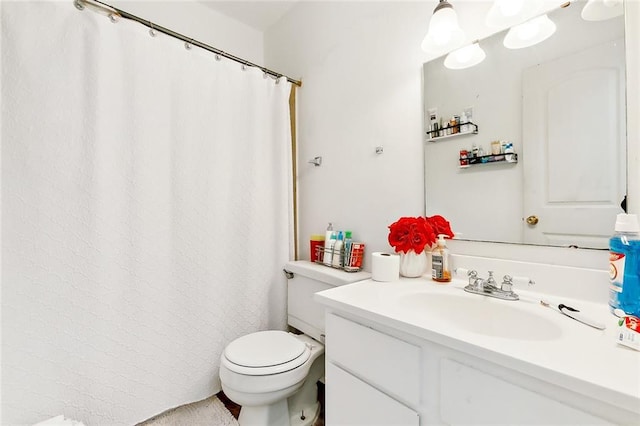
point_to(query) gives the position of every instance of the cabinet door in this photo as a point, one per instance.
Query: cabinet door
(388, 363)
(470, 396)
(352, 402)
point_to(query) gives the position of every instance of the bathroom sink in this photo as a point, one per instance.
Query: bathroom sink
(483, 315)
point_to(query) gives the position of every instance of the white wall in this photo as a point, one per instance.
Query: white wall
(361, 65)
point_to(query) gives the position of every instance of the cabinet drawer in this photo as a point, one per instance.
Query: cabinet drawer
(386, 362)
(352, 402)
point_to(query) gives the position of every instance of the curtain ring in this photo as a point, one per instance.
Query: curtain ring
(243, 67)
(218, 58)
(152, 31)
(114, 18)
(78, 5)
(187, 44)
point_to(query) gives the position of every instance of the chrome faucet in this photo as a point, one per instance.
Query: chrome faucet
(489, 287)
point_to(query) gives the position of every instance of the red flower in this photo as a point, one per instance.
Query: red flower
(440, 225)
(415, 233)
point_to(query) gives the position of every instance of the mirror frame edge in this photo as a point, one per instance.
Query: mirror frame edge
(632, 56)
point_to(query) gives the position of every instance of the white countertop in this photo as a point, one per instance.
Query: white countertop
(578, 357)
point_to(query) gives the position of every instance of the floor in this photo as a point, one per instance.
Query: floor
(208, 412)
(234, 408)
(214, 407)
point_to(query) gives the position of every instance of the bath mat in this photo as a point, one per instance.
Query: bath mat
(210, 411)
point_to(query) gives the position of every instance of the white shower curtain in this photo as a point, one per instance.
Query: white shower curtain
(146, 210)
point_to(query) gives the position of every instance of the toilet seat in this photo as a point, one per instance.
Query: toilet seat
(265, 353)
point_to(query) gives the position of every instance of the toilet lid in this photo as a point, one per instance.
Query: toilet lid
(264, 349)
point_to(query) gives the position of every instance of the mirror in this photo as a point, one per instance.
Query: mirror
(561, 104)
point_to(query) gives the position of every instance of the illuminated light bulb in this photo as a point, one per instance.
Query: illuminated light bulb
(465, 57)
(529, 33)
(444, 32)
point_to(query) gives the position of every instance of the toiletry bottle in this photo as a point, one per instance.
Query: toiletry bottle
(508, 150)
(624, 265)
(347, 248)
(440, 262)
(316, 247)
(328, 251)
(338, 254)
(463, 121)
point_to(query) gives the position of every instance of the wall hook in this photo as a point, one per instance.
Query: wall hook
(316, 161)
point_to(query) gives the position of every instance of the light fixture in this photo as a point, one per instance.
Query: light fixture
(444, 32)
(529, 33)
(465, 57)
(506, 13)
(599, 10)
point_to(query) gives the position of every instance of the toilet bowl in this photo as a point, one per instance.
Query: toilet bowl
(261, 371)
(273, 374)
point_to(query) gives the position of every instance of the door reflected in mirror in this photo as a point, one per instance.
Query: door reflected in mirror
(561, 105)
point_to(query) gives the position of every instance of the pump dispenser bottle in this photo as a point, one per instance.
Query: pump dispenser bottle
(440, 271)
(328, 245)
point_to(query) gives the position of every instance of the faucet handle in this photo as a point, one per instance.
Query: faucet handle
(508, 282)
(490, 279)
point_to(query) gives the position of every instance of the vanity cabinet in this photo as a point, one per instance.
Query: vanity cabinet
(371, 378)
(378, 375)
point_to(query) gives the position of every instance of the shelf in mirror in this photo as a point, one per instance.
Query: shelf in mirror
(511, 158)
(461, 129)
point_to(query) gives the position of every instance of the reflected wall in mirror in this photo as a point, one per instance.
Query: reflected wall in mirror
(561, 104)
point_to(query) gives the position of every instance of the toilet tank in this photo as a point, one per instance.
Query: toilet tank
(306, 279)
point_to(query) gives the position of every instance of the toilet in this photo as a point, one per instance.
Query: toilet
(273, 374)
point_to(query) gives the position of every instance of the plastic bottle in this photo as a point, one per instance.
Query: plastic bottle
(316, 247)
(624, 265)
(347, 247)
(328, 251)
(337, 250)
(440, 261)
(463, 119)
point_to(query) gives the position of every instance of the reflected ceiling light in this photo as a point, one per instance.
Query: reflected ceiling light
(444, 32)
(505, 13)
(465, 57)
(529, 33)
(599, 10)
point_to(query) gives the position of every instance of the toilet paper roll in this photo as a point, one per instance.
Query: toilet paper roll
(385, 266)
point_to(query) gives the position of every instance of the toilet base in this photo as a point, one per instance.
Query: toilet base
(265, 415)
(300, 409)
(310, 416)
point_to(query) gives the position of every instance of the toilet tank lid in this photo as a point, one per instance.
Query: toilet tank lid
(332, 276)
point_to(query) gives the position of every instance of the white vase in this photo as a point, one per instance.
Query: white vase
(413, 265)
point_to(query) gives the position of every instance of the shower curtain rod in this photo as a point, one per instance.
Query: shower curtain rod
(115, 13)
